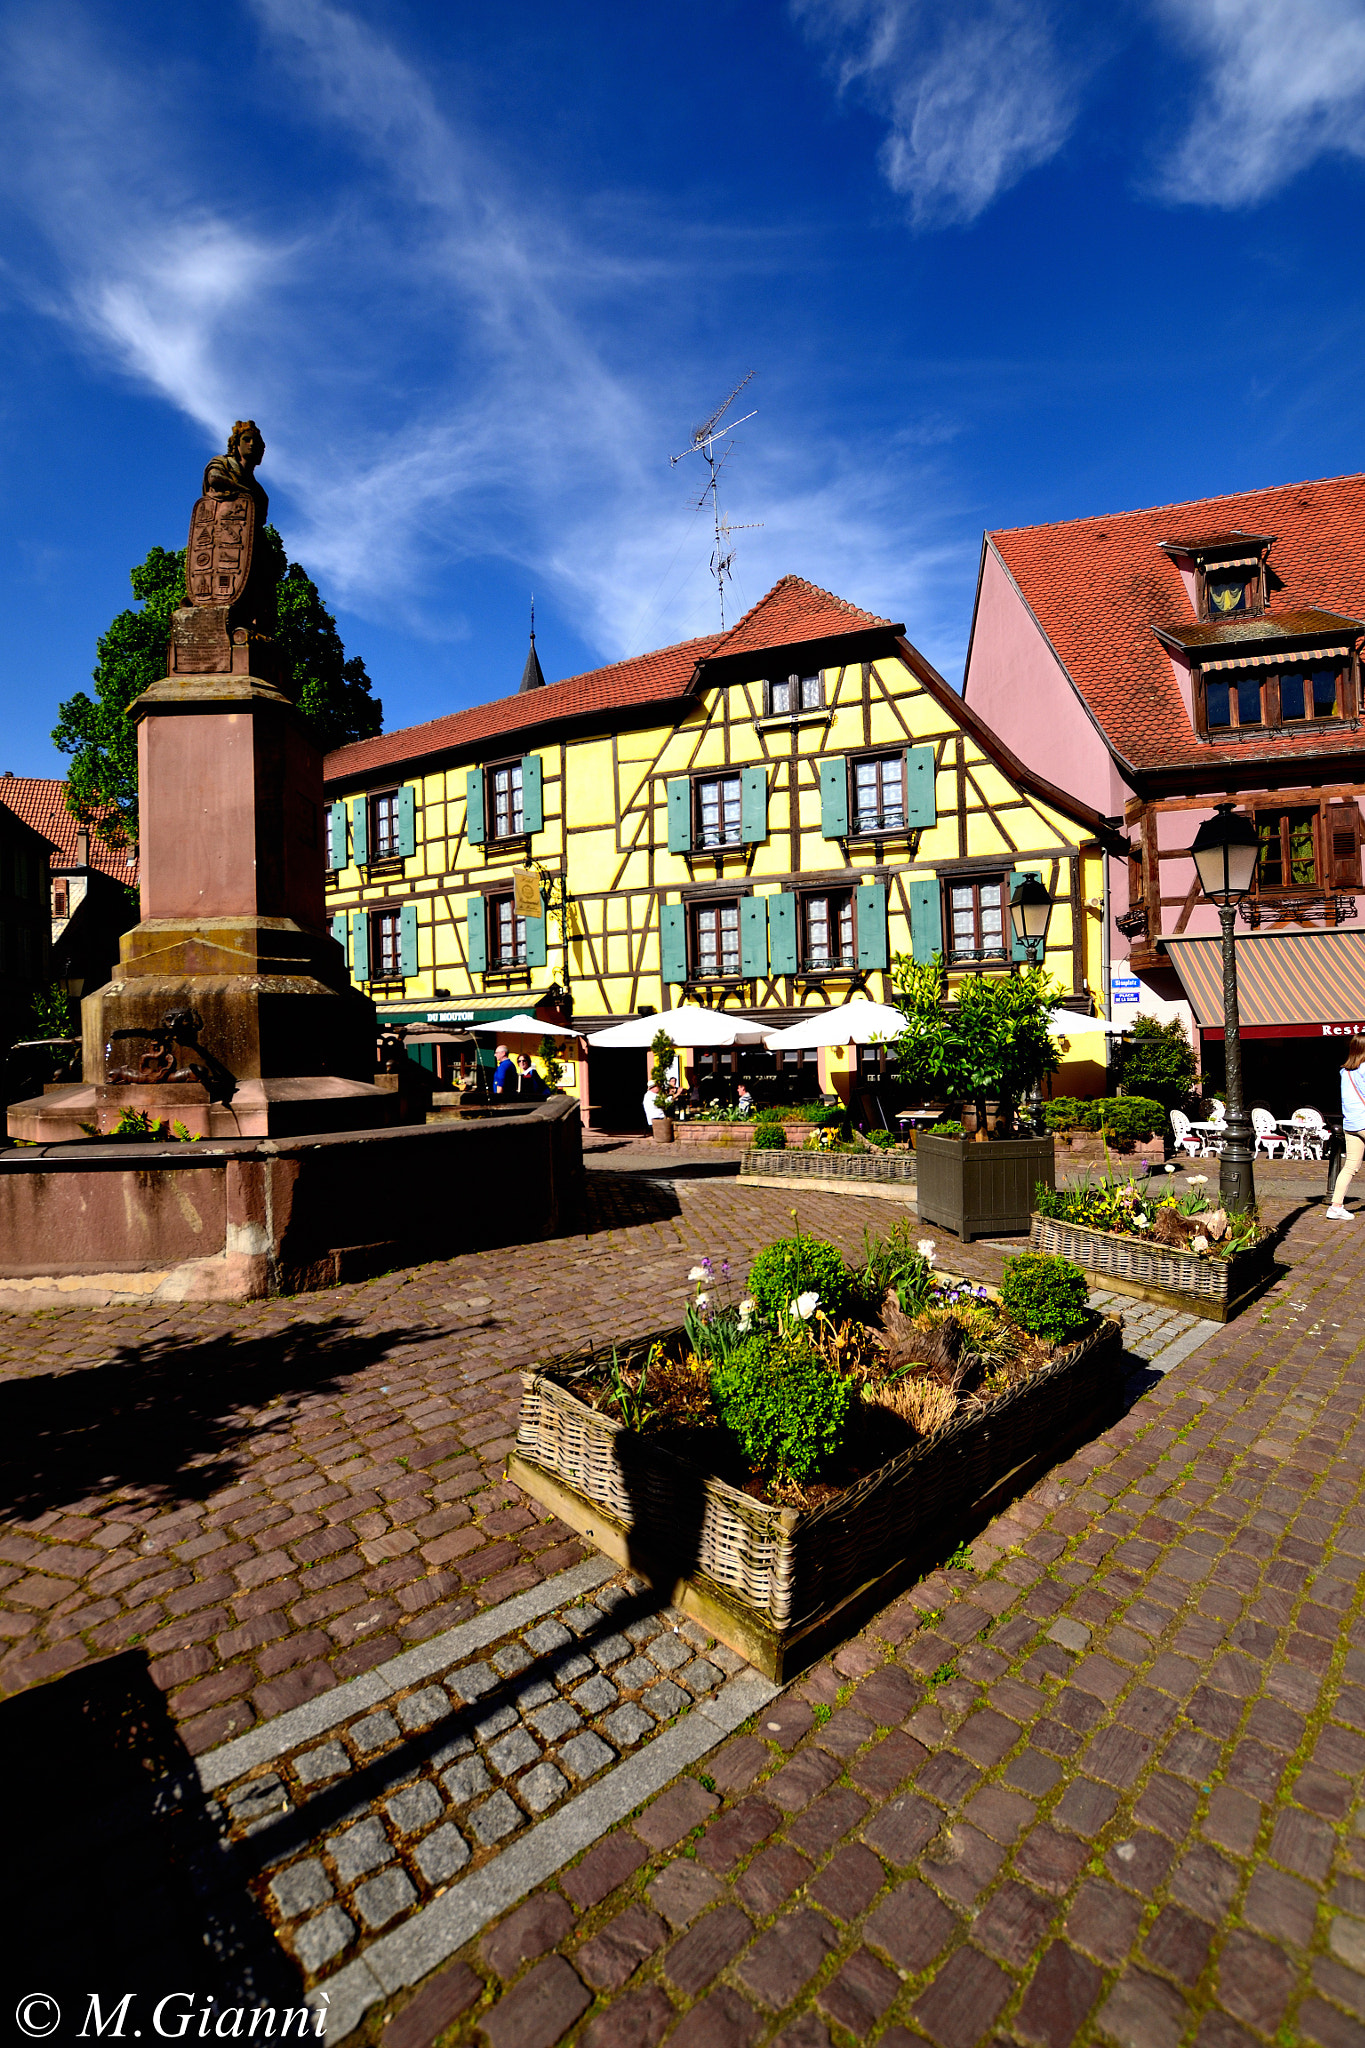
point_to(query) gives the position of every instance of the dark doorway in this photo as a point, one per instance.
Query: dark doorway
(616, 1089)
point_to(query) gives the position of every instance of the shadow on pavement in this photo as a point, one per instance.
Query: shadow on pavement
(166, 1418)
(616, 1201)
(124, 1883)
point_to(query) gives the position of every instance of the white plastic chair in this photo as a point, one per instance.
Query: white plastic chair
(1186, 1140)
(1311, 1135)
(1268, 1133)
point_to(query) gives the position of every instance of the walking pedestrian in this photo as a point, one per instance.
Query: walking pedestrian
(1353, 1128)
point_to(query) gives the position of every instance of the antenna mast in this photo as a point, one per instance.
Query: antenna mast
(703, 443)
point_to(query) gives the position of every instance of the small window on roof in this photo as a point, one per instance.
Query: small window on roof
(1228, 594)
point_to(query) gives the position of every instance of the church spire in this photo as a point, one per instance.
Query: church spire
(531, 676)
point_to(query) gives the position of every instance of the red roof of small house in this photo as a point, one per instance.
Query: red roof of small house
(40, 800)
(792, 613)
(1099, 588)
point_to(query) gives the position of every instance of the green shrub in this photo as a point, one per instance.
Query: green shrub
(769, 1114)
(1063, 1113)
(1045, 1295)
(884, 1140)
(1124, 1119)
(801, 1265)
(769, 1137)
(1158, 1063)
(947, 1129)
(781, 1403)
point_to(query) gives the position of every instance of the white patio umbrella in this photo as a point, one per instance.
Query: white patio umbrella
(1070, 1024)
(845, 1024)
(689, 1025)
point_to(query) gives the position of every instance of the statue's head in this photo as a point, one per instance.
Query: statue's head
(246, 443)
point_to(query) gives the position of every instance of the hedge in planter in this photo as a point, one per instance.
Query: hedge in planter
(1158, 1246)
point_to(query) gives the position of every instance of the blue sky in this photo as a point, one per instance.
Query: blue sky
(478, 272)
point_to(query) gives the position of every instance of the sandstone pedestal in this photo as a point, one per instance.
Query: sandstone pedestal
(231, 987)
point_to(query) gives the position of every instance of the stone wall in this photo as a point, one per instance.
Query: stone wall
(108, 1222)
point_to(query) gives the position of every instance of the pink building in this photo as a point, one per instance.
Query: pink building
(1155, 663)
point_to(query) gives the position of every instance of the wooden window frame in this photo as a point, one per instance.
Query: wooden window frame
(1253, 583)
(700, 777)
(800, 708)
(703, 906)
(376, 914)
(1269, 681)
(374, 798)
(1312, 813)
(493, 902)
(883, 756)
(807, 968)
(978, 956)
(490, 803)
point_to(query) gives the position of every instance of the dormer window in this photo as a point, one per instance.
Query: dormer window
(1227, 595)
(1231, 573)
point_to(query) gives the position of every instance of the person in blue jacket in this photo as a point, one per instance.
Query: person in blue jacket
(1353, 1128)
(505, 1073)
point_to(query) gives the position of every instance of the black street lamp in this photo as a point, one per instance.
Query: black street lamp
(1224, 851)
(1030, 909)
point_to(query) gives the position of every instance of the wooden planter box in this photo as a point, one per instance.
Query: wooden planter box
(1213, 1288)
(982, 1190)
(780, 1584)
(883, 1170)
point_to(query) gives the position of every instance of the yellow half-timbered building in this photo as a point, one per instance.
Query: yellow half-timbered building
(759, 819)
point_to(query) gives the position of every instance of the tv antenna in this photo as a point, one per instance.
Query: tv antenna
(703, 443)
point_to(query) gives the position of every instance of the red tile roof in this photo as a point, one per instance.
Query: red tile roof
(1097, 587)
(40, 800)
(792, 612)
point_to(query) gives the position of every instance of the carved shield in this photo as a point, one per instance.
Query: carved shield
(219, 558)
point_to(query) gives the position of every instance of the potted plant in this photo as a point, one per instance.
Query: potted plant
(990, 1045)
(661, 1076)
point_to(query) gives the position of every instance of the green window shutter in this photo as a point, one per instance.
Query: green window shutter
(473, 807)
(870, 913)
(753, 935)
(336, 836)
(360, 831)
(926, 918)
(834, 799)
(921, 807)
(1018, 950)
(680, 815)
(407, 939)
(532, 800)
(537, 934)
(476, 943)
(782, 933)
(407, 822)
(673, 940)
(753, 805)
(360, 946)
(341, 931)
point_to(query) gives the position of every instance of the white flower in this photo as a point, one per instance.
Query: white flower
(1140, 1220)
(1199, 1244)
(746, 1313)
(1168, 1169)
(702, 1300)
(1197, 1180)
(927, 1249)
(697, 1273)
(804, 1306)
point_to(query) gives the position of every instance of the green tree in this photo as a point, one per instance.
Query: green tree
(332, 693)
(1158, 1061)
(992, 1042)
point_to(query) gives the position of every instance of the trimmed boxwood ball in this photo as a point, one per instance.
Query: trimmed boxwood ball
(781, 1403)
(769, 1137)
(1045, 1295)
(802, 1265)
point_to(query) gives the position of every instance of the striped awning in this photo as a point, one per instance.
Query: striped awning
(1307, 977)
(1304, 659)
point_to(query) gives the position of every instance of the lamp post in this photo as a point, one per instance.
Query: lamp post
(1224, 853)
(1030, 910)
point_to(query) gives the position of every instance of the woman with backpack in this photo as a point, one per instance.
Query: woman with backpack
(1353, 1128)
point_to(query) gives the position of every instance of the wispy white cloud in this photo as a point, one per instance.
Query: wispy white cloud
(1283, 84)
(976, 94)
(449, 369)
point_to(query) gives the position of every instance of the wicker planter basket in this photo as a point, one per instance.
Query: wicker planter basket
(779, 1583)
(884, 1166)
(1213, 1288)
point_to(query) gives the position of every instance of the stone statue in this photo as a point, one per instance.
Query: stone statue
(226, 624)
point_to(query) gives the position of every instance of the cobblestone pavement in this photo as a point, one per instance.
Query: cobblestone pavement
(275, 1496)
